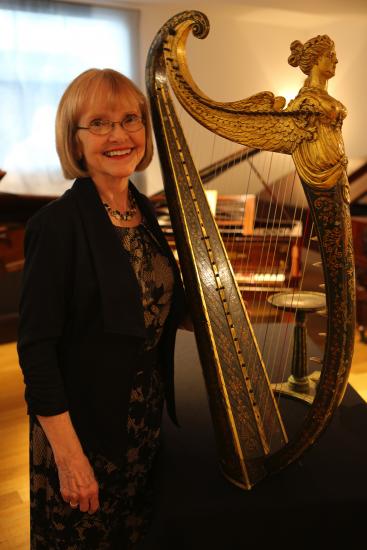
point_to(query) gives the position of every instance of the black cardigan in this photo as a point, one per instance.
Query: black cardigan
(81, 325)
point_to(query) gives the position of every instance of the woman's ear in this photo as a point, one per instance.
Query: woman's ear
(79, 154)
(78, 149)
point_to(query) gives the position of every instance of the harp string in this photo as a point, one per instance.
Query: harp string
(262, 264)
(271, 338)
(286, 355)
(266, 262)
(273, 226)
(269, 242)
(246, 243)
(238, 252)
(264, 243)
(285, 323)
(287, 328)
(276, 227)
(306, 248)
(249, 242)
(281, 206)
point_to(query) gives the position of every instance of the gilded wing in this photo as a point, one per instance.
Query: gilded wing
(258, 121)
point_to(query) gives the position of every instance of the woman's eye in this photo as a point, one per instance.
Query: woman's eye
(131, 118)
(97, 123)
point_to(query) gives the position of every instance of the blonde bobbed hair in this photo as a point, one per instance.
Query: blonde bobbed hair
(94, 83)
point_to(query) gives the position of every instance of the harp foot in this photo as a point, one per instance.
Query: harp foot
(304, 391)
(299, 384)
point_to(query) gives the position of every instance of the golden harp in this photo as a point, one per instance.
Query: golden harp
(250, 433)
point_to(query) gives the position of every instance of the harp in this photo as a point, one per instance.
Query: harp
(250, 433)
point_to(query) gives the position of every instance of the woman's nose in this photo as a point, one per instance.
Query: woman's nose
(118, 129)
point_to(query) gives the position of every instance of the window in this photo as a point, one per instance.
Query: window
(43, 46)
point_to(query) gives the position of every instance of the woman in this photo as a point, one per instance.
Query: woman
(317, 59)
(100, 306)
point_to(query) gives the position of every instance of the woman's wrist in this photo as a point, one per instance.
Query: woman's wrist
(62, 437)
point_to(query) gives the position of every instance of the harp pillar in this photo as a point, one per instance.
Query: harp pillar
(299, 384)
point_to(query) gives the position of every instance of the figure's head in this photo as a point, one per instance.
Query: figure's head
(316, 52)
(92, 89)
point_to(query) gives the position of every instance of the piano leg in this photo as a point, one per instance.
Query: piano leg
(362, 334)
(361, 312)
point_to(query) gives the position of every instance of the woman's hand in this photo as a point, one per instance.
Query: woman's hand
(78, 485)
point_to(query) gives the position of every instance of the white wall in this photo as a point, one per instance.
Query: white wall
(247, 50)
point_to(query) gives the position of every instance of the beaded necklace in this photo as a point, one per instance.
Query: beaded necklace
(123, 216)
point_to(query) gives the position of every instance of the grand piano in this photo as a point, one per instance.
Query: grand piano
(358, 187)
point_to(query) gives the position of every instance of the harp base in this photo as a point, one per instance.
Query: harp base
(302, 389)
(246, 484)
(235, 482)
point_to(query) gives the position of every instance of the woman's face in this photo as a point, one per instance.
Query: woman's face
(327, 64)
(112, 157)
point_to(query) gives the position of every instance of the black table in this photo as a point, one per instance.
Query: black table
(314, 503)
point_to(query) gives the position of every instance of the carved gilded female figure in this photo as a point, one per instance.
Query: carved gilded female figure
(321, 161)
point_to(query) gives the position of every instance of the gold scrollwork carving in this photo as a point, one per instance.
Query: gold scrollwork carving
(309, 128)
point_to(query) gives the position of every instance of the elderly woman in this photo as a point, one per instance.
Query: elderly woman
(101, 302)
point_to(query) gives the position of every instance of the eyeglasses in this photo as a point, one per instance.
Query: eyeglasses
(101, 127)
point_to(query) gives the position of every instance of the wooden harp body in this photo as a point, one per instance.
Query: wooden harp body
(251, 438)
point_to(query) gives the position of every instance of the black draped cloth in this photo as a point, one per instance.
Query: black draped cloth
(317, 502)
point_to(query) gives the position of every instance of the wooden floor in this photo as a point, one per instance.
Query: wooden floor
(14, 501)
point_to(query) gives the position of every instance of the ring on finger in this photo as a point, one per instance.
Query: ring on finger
(73, 504)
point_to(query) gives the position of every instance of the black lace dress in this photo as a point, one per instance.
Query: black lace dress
(125, 492)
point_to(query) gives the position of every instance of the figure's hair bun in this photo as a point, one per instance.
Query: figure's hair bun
(295, 57)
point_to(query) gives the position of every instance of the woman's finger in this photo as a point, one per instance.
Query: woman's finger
(84, 504)
(69, 496)
(94, 504)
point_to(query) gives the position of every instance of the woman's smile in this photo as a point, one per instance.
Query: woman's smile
(118, 153)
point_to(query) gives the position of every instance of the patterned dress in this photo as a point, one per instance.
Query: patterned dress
(125, 493)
